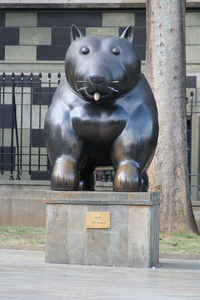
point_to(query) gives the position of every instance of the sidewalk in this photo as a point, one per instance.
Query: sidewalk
(25, 275)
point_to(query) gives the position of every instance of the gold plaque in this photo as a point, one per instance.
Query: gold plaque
(98, 220)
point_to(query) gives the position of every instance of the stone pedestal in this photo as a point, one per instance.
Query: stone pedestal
(103, 228)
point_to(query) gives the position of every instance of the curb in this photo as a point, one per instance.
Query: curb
(23, 247)
(183, 256)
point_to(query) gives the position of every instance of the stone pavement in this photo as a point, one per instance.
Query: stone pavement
(25, 275)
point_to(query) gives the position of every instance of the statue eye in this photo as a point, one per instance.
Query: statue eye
(85, 50)
(115, 51)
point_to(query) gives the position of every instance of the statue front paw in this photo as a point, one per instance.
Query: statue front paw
(127, 178)
(65, 176)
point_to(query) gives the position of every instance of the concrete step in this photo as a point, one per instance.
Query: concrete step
(36, 189)
(21, 201)
(104, 186)
(24, 189)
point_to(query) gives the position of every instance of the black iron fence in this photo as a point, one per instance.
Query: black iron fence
(193, 140)
(24, 100)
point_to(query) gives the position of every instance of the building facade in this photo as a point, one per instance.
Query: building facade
(34, 37)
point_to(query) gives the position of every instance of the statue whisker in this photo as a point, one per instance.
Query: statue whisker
(82, 88)
(112, 89)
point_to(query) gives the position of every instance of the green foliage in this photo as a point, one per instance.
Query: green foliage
(172, 242)
(179, 242)
(22, 235)
(187, 235)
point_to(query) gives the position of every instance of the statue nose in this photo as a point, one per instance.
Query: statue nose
(97, 79)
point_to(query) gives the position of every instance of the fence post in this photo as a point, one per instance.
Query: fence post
(3, 124)
(12, 128)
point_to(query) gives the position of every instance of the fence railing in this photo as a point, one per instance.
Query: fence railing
(193, 139)
(24, 101)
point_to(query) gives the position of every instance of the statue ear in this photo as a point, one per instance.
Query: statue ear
(75, 33)
(128, 34)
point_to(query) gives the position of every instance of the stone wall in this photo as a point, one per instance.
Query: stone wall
(21, 202)
(38, 40)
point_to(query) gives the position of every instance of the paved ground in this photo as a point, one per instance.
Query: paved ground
(25, 275)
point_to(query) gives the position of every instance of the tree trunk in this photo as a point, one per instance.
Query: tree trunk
(166, 73)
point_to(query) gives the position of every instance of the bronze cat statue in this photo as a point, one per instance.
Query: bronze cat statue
(103, 114)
